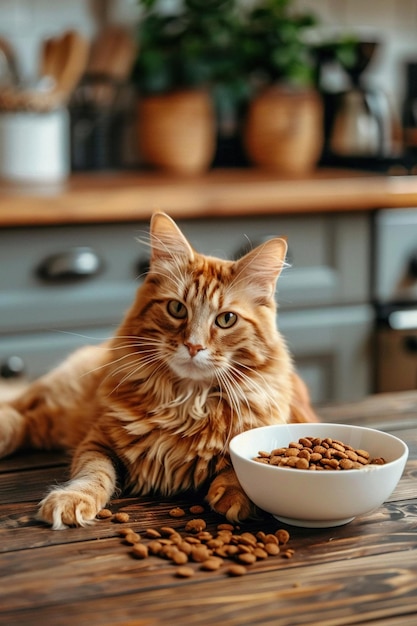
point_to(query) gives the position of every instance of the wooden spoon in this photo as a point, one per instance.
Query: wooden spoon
(112, 53)
(64, 59)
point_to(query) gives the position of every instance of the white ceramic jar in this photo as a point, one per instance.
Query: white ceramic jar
(35, 146)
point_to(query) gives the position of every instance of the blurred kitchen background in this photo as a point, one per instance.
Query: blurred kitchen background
(366, 102)
(79, 92)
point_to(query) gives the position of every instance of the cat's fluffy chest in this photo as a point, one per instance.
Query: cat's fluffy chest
(175, 446)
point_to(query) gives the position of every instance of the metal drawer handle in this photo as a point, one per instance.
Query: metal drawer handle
(74, 264)
(12, 367)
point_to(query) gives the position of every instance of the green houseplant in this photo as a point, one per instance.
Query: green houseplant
(275, 46)
(185, 67)
(284, 129)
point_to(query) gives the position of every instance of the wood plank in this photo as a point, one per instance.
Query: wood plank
(338, 597)
(31, 484)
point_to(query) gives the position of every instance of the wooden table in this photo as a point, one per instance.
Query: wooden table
(364, 572)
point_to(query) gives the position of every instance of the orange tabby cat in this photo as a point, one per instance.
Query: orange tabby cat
(196, 360)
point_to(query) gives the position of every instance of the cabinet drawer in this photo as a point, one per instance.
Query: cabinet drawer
(29, 301)
(396, 255)
(38, 353)
(332, 350)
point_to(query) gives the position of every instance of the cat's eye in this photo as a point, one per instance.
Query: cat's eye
(226, 320)
(177, 309)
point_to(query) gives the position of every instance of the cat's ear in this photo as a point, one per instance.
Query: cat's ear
(167, 240)
(261, 267)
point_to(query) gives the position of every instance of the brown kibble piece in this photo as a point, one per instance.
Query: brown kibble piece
(140, 551)
(154, 547)
(346, 464)
(212, 564)
(236, 570)
(302, 463)
(167, 531)
(247, 539)
(272, 549)
(378, 461)
(177, 512)
(363, 453)
(204, 536)
(195, 526)
(184, 572)
(247, 557)
(132, 538)
(288, 554)
(179, 557)
(121, 518)
(104, 514)
(152, 533)
(283, 536)
(200, 553)
(260, 553)
(291, 452)
(225, 527)
(196, 509)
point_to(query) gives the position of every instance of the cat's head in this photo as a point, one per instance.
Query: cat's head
(205, 318)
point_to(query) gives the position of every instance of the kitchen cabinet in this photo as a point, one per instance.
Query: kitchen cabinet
(53, 299)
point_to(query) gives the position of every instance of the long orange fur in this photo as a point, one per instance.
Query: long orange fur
(196, 360)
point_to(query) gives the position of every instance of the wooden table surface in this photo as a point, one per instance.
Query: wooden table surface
(361, 573)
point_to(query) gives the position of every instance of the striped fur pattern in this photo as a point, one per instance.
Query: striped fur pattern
(196, 360)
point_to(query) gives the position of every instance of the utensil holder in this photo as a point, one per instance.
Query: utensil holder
(34, 146)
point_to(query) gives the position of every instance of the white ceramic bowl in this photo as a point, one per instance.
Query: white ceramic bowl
(317, 499)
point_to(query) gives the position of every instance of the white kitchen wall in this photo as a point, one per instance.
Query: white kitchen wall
(25, 22)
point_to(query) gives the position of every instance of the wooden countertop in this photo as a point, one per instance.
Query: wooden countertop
(109, 197)
(363, 572)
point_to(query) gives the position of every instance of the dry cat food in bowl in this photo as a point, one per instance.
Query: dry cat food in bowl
(318, 499)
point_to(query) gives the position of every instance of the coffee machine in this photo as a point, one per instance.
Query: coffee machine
(360, 123)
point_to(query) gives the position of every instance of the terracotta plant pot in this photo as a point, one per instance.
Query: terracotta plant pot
(177, 131)
(284, 130)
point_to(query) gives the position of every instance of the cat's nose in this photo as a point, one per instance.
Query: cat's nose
(193, 348)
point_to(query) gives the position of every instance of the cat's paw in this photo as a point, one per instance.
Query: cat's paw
(229, 500)
(64, 507)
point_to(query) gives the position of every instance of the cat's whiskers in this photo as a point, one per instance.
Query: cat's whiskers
(260, 389)
(126, 346)
(138, 364)
(228, 385)
(131, 373)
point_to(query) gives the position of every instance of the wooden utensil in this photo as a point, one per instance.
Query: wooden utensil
(64, 59)
(112, 53)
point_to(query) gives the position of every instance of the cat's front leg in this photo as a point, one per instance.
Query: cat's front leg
(78, 501)
(227, 497)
